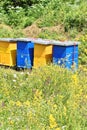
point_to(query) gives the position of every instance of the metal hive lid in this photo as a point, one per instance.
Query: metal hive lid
(8, 39)
(35, 40)
(41, 41)
(64, 43)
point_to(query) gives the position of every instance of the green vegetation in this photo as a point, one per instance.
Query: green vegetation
(6, 31)
(72, 13)
(83, 50)
(55, 99)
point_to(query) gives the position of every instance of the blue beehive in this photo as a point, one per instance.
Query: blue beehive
(25, 53)
(65, 54)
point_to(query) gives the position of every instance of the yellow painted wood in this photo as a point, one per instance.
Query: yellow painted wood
(42, 55)
(8, 53)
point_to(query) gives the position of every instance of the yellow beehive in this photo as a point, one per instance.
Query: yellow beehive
(42, 55)
(8, 53)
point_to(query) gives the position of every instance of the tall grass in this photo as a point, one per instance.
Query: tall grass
(48, 98)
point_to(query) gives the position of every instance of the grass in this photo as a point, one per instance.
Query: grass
(8, 32)
(48, 98)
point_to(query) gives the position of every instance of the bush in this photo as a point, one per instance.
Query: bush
(83, 50)
(16, 17)
(76, 17)
(70, 14)
(6, 31)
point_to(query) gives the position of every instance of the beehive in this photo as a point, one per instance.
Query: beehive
(7, 52)
(25, 53)
(65, 54)
(42, 54)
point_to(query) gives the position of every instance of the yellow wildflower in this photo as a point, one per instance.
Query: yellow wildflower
(57, 129)
(11, 122)
(75, 79)
(55, 106)
(85, 50)
(11, 102)
(30, 115)
(64, 111)
(6, 91)
(83, 40)
(61, 97)
(38, 95)
(18, 103)
(43, 128)
(77, 39)
(27, 103)
(75, 105)
(86, 97)
(52, 121)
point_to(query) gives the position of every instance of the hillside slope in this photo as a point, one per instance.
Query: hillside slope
(71, 15)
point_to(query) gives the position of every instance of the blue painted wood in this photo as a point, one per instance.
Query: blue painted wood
(25, 54)
(65, 55)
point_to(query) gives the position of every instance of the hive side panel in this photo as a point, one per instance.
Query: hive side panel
(25, 53)
(12, 46)
(4, 47)
(42, 55)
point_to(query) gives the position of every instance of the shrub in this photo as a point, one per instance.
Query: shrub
(6, 31)
(83, 50)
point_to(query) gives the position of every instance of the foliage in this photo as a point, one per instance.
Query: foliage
(57, 100)
(76, 16)
(83, 50)
(8, 32)
(48, 13)
(19, 16)
(20, 3)
(48, 35)
(71, 15)
(16, 17)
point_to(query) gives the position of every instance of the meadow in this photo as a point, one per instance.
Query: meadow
(47, 98)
